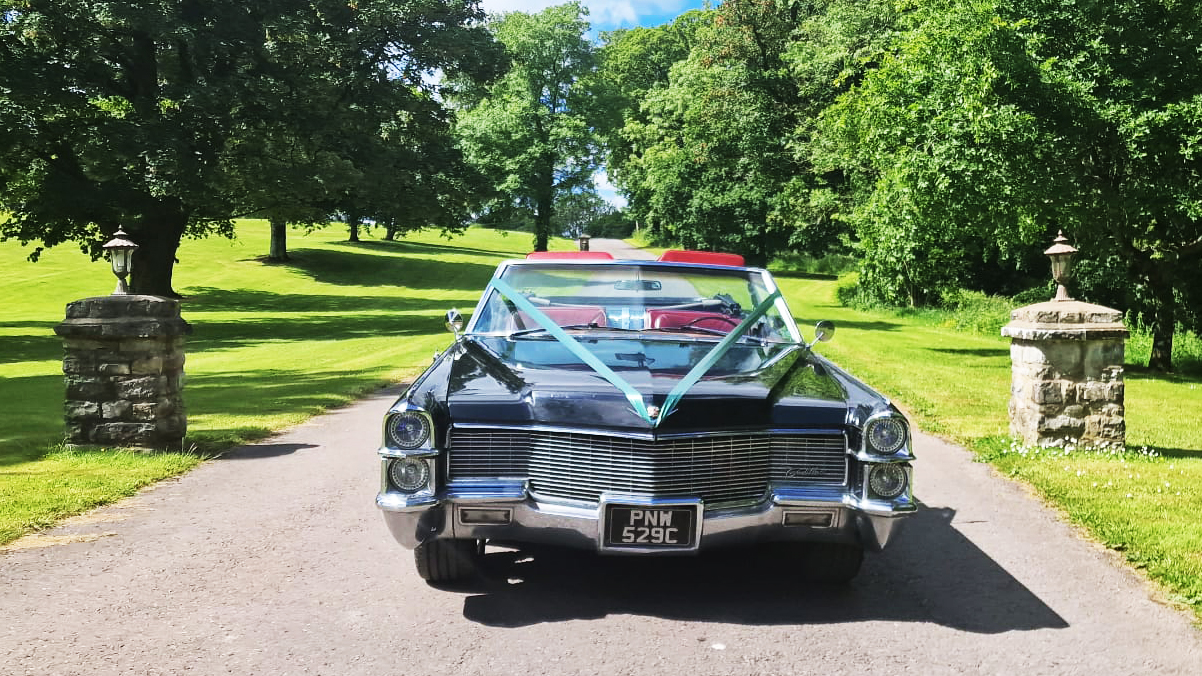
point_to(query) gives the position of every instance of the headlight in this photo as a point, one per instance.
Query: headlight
(885, 436)
(410, 475)
(408, 430)
(887, 481)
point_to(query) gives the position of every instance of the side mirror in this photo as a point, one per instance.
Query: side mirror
(454, 322)
(823, 331)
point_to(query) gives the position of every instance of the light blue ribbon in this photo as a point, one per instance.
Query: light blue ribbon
(633, 395)
(574, 346)
(714, 355)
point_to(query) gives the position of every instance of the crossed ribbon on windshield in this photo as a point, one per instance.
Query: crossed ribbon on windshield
(632, 395)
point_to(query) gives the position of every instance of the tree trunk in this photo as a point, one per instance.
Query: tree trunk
(158, 238)
(545, 207)
(1164, 323)
(542, 226)
(352, 223)
(279, 240)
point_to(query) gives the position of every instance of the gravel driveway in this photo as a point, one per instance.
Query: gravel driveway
(274, 560)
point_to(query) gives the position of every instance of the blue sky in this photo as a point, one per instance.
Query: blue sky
(607, 15)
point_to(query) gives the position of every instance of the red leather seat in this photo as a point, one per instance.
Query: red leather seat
(669, 319)
(567, 315)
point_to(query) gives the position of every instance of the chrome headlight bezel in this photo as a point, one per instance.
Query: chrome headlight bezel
(880, 475)
(400, 481)
(408, 430)
(886, 434)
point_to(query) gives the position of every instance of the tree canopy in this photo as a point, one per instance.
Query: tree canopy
(536, 132)
(171, 118)
(945, 142)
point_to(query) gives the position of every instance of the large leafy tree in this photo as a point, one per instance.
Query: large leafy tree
(170, 118)
(537, 131)
(709, 158)
(999, 123)
(635, 62)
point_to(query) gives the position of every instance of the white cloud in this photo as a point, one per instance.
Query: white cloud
(607, 190)
(602, 13)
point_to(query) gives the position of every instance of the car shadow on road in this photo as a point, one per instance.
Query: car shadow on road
(930, 574)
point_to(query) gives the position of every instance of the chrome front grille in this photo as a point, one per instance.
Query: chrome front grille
(718, 469)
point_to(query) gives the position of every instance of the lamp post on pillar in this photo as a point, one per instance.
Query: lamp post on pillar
(124, 365)
(1067, 366)
(1061, 253)
(121, 253)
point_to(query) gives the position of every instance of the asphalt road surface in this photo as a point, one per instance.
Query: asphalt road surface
(274, 560)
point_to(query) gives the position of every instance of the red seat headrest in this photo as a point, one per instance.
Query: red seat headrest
(702, 258)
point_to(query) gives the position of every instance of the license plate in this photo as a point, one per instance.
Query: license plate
(650, 527)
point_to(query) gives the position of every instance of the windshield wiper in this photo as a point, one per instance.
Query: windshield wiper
(599, 327)
(705, 330)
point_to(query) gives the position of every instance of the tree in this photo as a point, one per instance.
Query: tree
(172, 118)
(577, 210)
(536, 132)
(710, 161)
(995, 124)
(635, 62)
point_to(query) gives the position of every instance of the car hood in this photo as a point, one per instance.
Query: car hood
(795, 391)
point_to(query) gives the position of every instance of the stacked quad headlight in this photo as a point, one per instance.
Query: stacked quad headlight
(409, 451)
(885, 435)
(887, 439)
(887, 481)
(408, 430)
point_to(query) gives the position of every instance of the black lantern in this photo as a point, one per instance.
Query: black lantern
(1061, 254)
(121, 252)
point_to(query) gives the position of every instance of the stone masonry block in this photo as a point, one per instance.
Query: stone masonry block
(93, 389)
(115, 410)
(141, 389)
(1049, 393)
(124, 434)
(114, 369)
(143, 345)
(150, 365)
(1062, 424)
(144, 412)
(75, 409)
(81, 364)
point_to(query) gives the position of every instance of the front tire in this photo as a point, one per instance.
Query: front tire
(441, 561)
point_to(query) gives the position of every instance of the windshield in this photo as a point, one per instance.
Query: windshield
(654, 300)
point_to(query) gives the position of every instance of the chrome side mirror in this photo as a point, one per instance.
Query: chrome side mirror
(454, 322)
(823, 331)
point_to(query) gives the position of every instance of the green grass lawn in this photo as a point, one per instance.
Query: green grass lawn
(1143, 502)
(276, 343)
(272, 345)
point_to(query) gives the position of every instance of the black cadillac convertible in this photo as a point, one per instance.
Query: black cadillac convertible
(640, 408)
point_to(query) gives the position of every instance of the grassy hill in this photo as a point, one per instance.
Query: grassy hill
(273, 344)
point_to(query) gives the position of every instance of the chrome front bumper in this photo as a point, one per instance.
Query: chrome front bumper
(786, 515)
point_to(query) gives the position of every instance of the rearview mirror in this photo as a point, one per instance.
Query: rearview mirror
(638, 285)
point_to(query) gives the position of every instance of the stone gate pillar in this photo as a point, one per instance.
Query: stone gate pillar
(1067, 369)
(124, 366)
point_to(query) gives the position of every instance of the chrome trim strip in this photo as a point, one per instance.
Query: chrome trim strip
(648, 436)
